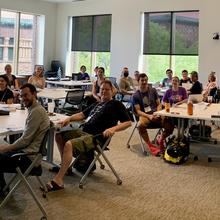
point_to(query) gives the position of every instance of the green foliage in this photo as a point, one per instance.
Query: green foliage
(102, 59)
(157, 65)
(84, 58)
(159, 43)
(158, 34)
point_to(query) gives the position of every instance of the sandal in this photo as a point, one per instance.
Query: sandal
(53, 186)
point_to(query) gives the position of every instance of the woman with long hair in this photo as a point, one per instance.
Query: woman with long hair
(37, 79)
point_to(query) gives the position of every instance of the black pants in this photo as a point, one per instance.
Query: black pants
(8, 165)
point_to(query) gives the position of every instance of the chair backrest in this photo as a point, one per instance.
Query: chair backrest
(55, 65)
(112, 79)
(75, 76)
(114, 82)
(75, 97)
(217, 95)
(212, 92)
(43, 146)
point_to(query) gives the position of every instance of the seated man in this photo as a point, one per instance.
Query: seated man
(100, 118)
(126, 85)
(37, 123)
(168, 80)
(146, 101)
(185, 78)
(197, 86)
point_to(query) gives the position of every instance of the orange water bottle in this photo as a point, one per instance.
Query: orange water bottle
(167, 105)
(190, 108)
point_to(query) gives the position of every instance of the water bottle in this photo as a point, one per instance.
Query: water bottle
(59, 73)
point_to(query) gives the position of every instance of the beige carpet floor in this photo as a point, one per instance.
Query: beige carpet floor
(151, 189)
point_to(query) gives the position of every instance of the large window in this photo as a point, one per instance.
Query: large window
(170, 41)
(90, 44)
(19, 33)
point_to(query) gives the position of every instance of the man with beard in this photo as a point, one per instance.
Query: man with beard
(37, 123)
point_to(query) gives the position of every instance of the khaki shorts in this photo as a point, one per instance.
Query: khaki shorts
(81, 140)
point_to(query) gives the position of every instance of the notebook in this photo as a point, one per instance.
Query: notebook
(187, 86)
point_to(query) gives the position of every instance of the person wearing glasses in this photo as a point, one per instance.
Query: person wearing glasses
(100, 118)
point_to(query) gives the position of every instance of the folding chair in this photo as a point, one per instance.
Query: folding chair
(32, 170)
(98, 151)
(143, 146)
(73, 98)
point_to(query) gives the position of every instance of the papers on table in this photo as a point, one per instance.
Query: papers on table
(10, 130)
(10, 107)
(187, 86)
(201, 106)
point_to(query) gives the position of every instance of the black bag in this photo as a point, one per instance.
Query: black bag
(84, 160)
(177, 150)
(194, 130)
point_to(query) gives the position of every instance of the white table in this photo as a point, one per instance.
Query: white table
(57, 93)
(15, 123)
(71, 83)
(201, 111)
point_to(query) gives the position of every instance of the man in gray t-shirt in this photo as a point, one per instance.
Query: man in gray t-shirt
(36, 125)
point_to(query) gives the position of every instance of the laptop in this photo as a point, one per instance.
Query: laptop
(187, 86)
(196, 98)
(75, 76)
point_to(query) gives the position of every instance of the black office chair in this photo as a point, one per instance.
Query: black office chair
(73, 102)
(217, 95)
(22, 175)
(55, 66)
(143, 145)
(213, 92)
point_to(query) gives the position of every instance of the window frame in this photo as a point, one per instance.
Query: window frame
(172, 43)
(15, 45)
(92, 33)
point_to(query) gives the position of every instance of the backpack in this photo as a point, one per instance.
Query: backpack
(177, 150)
(84, 160)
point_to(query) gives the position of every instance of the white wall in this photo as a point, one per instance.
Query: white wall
(126, 29)
(40, 8)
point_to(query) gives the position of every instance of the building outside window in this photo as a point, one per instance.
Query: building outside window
(170, 42)
(19, 37)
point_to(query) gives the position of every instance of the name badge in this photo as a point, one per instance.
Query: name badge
(147, 109)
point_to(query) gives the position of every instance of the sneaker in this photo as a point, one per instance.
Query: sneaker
(153, 149)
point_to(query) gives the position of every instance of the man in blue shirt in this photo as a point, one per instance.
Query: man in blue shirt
(146, 101)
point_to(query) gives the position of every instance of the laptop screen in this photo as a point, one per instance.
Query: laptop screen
(196, 98)
(75, 76)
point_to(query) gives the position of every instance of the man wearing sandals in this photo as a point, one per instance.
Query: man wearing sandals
(36, 125)
(100, 118)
